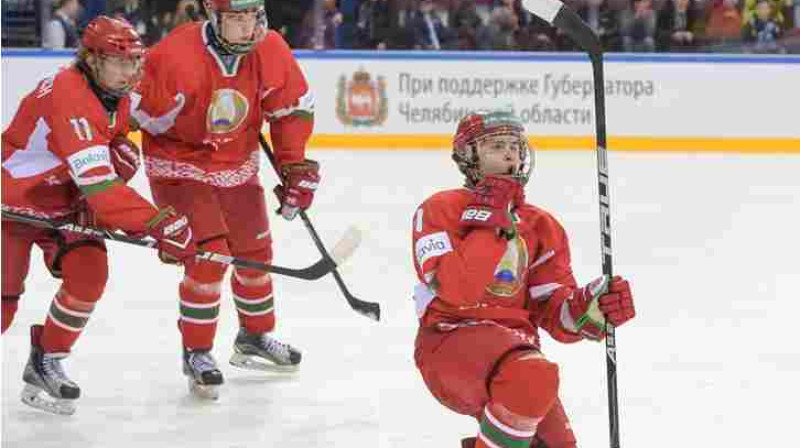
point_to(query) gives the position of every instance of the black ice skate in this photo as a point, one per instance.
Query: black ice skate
(47, 387)
(204, 376)
(262, 352)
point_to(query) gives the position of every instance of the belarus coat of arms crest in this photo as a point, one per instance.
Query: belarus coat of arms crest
(361, 101)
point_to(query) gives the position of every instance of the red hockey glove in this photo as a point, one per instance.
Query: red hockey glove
(300, 181)
(490, 207)
(124, 157)
(601, 299)
(174, 236)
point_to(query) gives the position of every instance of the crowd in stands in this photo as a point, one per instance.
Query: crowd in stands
(759, 26)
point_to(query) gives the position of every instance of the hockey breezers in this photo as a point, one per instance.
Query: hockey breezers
(341, 252)
(369, 309)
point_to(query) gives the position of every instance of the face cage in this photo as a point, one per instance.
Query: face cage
(467, 160)
(239, 49)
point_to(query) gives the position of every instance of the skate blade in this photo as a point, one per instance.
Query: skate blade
(247, 362)
(36, 397)
(203, 391)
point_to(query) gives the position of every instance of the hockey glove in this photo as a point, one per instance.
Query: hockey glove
(599, 301)
(174, 236)
(300, 181)
(494, 196)
(124, 157)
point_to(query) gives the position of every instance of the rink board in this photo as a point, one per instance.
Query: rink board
(403, 100)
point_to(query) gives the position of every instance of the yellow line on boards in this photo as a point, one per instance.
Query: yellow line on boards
(557, 143)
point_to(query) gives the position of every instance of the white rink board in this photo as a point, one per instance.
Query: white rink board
(709, 241)
(684, 96)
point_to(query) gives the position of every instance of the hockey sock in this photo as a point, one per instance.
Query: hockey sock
(65, 322)
(254, 301)
(199, 312)
(9, 309)
(85, 272)
(252, 293)
(200, 298)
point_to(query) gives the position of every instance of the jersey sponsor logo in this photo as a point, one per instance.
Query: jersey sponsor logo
(227, 111)
(509, 275)
(433, 245)
(362, 101)
(88, 159)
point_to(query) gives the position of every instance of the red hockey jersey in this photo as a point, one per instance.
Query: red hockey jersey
(471, 276)
(56, 149)
(201, 113)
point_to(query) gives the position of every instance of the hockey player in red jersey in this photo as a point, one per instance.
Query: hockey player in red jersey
(207, 91)
(493, 270)
(65, 157)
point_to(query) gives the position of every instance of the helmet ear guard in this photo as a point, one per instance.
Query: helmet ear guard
(479, 125)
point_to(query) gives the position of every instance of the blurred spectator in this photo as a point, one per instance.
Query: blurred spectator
(287, 17)
(795, 6)
(374, 24)
(723, 23)
(763, 29)
(329, 19)
(503, 26)
(471, 34)
(346, 31)
(602, 19)
(131, 11)
(749, 11)
(675, 26)
(92, 9)
(61, 31)
(164, 19)
(429, 30)
(638, 27)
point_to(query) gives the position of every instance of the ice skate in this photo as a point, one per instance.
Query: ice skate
(47, 387)
(262, 352)
(203, 375)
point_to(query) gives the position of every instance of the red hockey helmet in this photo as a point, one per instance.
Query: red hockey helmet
(112, 37)
(476, 126)
(106, 38)
(214, 9)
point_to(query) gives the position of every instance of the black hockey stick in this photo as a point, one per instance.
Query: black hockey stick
(370, 309)
(341, 251)
(560, 16)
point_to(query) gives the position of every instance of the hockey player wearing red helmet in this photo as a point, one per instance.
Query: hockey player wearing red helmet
(492, 271)
(65, 157)
(208, 89)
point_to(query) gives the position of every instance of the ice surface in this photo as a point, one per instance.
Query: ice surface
(710, 242)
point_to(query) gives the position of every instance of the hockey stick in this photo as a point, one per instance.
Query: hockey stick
(343, 249)
(370, 309)
(560, 16)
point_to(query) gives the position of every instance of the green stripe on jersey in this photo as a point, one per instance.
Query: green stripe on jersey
(89, 190)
